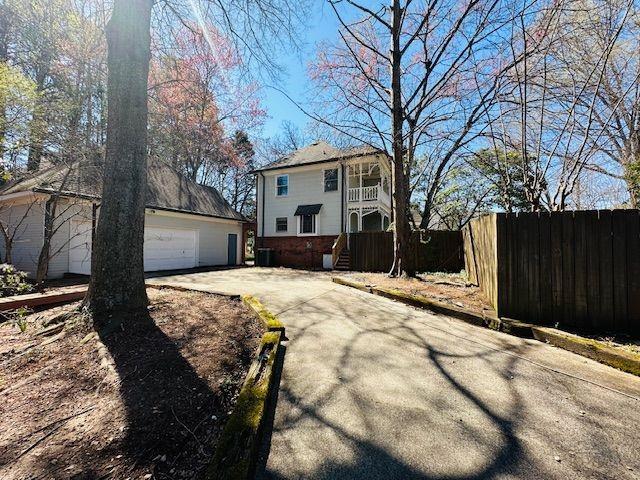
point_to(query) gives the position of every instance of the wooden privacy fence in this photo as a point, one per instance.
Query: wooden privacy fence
(430, 251)
(579, 269)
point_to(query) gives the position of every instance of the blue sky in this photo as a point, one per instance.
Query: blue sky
(322, 26)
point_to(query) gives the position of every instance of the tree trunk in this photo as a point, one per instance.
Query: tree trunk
(401, 231)
(117, 272)
(4, 56)
(631, 165)
(8, 247)
(45, 252)
(37, 127)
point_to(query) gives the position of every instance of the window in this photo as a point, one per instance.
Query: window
(331, 180)
(307, 224)
(281, 224)
(282, 185)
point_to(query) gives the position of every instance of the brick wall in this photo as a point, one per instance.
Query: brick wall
(299, 252)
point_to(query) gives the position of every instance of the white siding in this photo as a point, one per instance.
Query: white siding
(306, 187)
(66, 209)
(26, 219)
(212, 233)
(212, 238)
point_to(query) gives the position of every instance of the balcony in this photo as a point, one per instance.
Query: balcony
(368, 194)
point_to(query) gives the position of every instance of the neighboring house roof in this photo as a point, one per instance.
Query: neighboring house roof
(318, 152)
(166, 188)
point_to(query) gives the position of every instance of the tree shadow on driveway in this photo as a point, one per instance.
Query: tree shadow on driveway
(408, 394)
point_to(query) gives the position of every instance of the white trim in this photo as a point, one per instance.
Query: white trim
(357, 214)
(316, 224)
(276, 185)
(23, 196)
(203, 218)
(300, 168)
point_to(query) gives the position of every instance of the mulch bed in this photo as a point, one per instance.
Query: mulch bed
(450, 288)
(144, 402)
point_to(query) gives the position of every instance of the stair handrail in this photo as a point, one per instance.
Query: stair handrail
(338, 247)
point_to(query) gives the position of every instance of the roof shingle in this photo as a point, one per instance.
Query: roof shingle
(166, 188)
(318, 152)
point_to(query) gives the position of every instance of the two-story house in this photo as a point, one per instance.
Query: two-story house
(308, 198)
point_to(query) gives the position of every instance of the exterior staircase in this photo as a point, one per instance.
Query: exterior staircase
(344, 261)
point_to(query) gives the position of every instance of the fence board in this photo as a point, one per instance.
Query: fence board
(633, 269)
(555, 219)
(578, 269)
(433, 250)
(618, 220)
(605, 321)
(592, 246)
(568, 270)
(546, 274)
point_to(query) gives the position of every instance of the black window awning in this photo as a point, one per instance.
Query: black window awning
(308, 209)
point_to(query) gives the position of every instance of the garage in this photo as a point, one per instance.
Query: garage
(187, 225)
(164, 248)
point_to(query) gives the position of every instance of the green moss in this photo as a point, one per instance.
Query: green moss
(587, 347)
(237, 447)
(352, 284)
(269, 319)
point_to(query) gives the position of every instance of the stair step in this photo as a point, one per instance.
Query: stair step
(344, 261)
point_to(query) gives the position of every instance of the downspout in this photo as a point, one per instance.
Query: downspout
(262, 210)
(94, 222)
(342, 212)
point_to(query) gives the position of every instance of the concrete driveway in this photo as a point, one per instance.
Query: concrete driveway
(373, 389)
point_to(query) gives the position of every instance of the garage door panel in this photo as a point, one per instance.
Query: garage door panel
(164, 248)
(169, 248)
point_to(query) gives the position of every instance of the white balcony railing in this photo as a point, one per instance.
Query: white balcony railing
(367, 194)
(370, 194)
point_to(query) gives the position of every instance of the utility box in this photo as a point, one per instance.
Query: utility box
(264, 257)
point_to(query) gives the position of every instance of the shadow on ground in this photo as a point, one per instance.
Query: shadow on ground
(395, 397)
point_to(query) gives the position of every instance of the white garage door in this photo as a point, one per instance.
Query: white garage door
(164, 248)
(169, 248)
(80, 247)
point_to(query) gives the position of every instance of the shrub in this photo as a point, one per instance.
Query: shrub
(12, 281)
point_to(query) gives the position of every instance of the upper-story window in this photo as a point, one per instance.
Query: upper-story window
(282, 185)
(331, 180)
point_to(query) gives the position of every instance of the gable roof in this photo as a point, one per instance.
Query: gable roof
(167, 189)
(318, 152)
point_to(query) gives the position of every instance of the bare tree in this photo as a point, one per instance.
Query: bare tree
(549, 111)
(415, 79)
(612, 28)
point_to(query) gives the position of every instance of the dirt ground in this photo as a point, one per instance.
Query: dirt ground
(449, 288)
(148, 402)
(622, 342)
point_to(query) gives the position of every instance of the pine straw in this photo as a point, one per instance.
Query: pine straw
(149, 400)
(448, 288)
